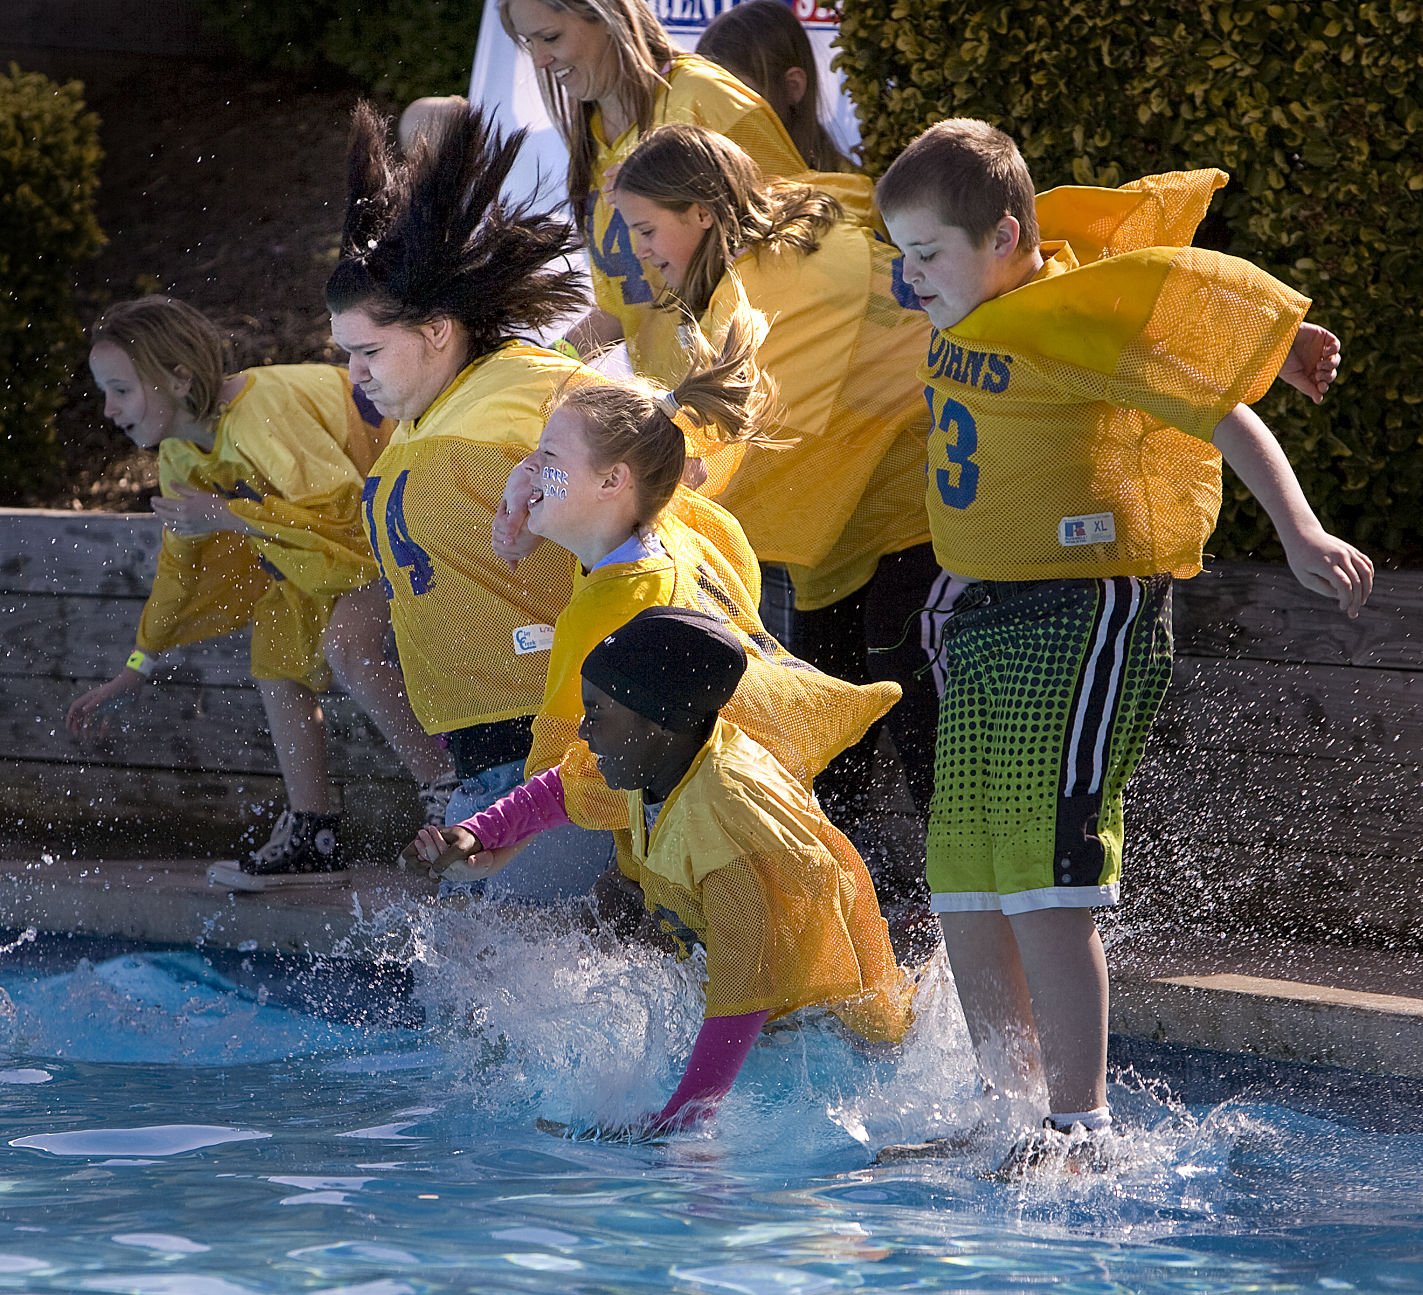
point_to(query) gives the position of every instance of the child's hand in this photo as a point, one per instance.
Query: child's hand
(195, 512)
(642, 1132)
(610, 182)
(1313, 361)
(1327, 565)
(511, 537)
(96, 705)
(438, 847)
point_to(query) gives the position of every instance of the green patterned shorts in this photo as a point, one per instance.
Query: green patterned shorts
(1050, 688)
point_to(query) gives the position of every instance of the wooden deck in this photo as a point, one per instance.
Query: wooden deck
(1283, 785)
(1282, 790)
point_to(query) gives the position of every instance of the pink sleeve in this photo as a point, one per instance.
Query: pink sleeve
(534, 807)
(717, 1057)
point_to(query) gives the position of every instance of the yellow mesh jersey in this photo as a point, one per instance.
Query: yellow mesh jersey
(1155, 211)
(290, 454)
(473, 635)
(743, 858)
(844, 490)
(700, 93)
(854, 191)
(1072, 416)
(802, 716)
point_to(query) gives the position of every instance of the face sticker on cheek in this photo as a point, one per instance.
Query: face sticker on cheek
(555, 483)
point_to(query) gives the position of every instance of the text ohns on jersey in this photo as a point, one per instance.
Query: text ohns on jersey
(972, 368)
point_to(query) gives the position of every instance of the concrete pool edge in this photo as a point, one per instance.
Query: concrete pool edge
(171, 902)
(1361, 1009)
(1357, 1008)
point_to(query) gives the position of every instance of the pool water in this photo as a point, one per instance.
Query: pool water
(171, 1128)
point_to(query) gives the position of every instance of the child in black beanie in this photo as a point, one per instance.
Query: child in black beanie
(729, 849)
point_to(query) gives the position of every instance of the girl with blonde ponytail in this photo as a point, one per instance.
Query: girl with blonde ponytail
(605, 484)
(842, 509)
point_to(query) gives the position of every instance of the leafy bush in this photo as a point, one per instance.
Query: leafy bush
(49, 161)
(1314, 109)
(400, 48)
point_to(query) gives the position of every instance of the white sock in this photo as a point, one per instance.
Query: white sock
(1093, 1121)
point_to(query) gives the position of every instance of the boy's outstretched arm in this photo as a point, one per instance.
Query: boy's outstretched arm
(492, 837)
(1322, 563)
(1313, 361)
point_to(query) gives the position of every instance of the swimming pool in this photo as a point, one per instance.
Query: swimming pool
(172, 1129)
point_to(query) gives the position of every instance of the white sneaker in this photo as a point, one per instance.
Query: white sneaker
(1051, 1150)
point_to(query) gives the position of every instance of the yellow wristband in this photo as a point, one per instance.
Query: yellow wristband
(564, 347)
(139, 660)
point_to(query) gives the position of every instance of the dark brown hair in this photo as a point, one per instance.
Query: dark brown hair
(430, 237)
(758, 42)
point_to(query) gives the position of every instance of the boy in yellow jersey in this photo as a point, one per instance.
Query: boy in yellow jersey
(1083, 393)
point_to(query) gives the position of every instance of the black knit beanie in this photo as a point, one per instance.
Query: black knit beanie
(672, 665)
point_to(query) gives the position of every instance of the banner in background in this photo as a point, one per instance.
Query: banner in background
(503, 81)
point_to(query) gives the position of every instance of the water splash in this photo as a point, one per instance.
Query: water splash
(156, 1007)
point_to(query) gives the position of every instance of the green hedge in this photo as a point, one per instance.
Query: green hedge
(1315, 110)
(400, 48)
(49, 162)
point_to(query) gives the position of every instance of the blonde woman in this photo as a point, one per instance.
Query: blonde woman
(609, 73)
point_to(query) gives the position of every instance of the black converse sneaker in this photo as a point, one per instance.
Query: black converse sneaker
(302, 851)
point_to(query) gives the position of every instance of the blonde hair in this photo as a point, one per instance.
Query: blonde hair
(161, 336)
(724, 397)
(642, 50)
(679, 165)
(967, 173)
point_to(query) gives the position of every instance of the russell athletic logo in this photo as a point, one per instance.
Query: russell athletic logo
(1095, 528)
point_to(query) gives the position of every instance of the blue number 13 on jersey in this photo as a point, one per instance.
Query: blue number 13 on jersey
(957, 440)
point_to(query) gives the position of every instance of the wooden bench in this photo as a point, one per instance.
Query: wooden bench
(189, 765)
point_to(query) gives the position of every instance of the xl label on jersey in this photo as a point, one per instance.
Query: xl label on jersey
(533, 638)
(1095, 528)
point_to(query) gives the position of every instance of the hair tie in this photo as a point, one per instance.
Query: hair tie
(668, 403)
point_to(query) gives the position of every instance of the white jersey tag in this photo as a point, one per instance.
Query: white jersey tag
(1095, 528)
(533, 638)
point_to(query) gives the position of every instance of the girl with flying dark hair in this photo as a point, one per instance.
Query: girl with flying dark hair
(438, 281)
